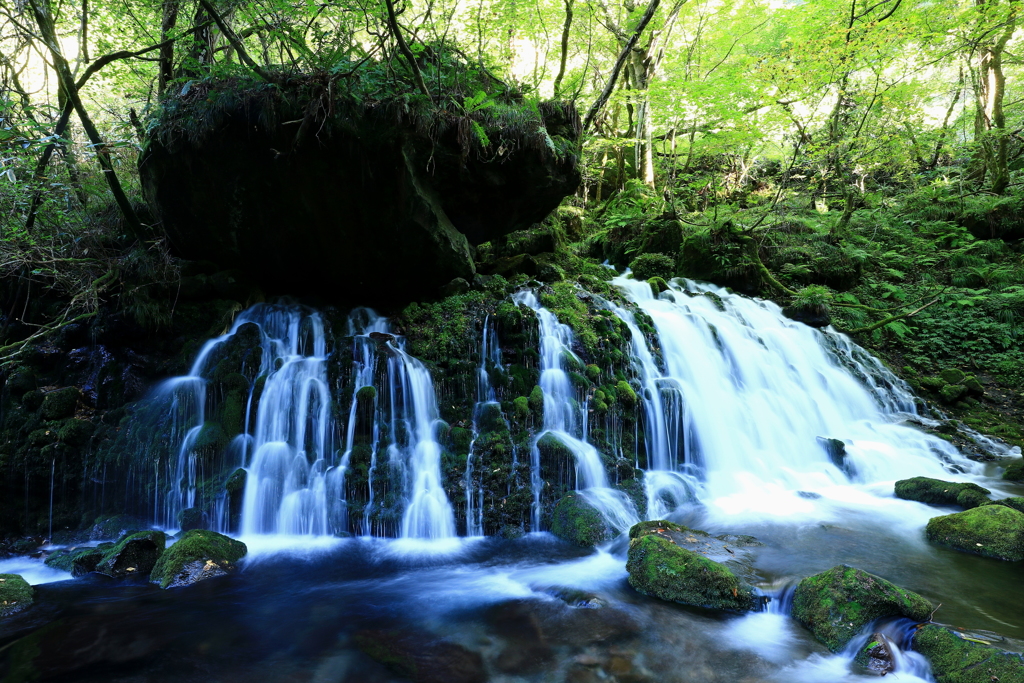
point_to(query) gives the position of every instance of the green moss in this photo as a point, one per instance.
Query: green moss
(932, 383)
(661, 569)
(1017, 503)
(939, 492)
(75, 432)
(191, 518)
(32, 400)
(951, 393)
(577, 521)
(953, 376)
(593, 373)
(236, 482)
(836, 604)
(992, 530)
(1015, 470)
(626, 394)
(647, 266)
(521, 408)
(956, 660)
(658, 285)
(211, 438)
(133, 554)
(657, 525)
(537, 402)
(15, 594)
(200, 545)
(77, 561)
(61, 403)
(564, 302)
(366, 395)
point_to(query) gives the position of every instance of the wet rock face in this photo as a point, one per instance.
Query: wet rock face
(836, 604)
(991, 530)
(371, 208)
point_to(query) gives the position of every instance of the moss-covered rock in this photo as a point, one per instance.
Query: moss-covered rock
(938, 492)
(1016, 502)
(956, 660)
(836, 604)
(657, 526)
(61, 403)
(951, 393)
(1015, 470)
(577, 521)
(992, 531)
(660, 568)
(77, 561)
(176, 567)
(133, 555)
(953, 376)
(647, 266)
(15, 594)
(191, 518)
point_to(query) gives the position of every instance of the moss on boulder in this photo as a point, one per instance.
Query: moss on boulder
(133, 554)
(15, 594)
(658, 525)
(956, 660)
(938, 492)
(661, 569)
(61, 403)
(77, 561)
(992, 531)
(836, 604)
(176, 567)
(1015, 470)
(1016, 502)
(577, 521)
(191, 518)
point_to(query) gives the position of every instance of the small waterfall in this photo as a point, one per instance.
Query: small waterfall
(486, 399)
(758, 407)
(564, 419)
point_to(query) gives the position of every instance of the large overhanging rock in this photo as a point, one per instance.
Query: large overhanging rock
(312, 191)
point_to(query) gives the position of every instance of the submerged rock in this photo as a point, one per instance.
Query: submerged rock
(955, 659)
(992, 530)
(133, 555)
(577, 521)
(938, 492)
(836, 604)
(198, 555)
(422, 657)
(15, 594)
(659, 567)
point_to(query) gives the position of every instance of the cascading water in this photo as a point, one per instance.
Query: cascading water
(749, 400)
(564, 419)
(486, 399)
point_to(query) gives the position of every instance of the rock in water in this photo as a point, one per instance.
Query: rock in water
(78, 561)
(577, 521)
(877, 655)
(658, 567)
(1015, 470)
(132, 555)
(198, 555)
(956, 660)
(422, 657)
(836, 604)
(15, 594)
(938, 492)
(993, 531)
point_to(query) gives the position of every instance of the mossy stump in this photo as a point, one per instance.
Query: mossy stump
(939, 492)
(661, 569)
(178, 565)
(956, 660)
(15, 594)
(836, 604)
(991, 531)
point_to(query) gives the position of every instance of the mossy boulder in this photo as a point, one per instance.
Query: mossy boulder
(992, 531)
(953, 376)
(951, 393)
(196, 556)
(133, 555)
(60, 404)
(577, 521)
(1015, 470)
(957, 660)
(939, 492)
(647, 266)
(15, 594)
(836, 604)
(114, 526)
(660, 568)
(78, 561)
(1016, 502)
(657, 526)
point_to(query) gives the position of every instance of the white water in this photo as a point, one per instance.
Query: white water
(486, 396)
(564, 419)
(741, 395)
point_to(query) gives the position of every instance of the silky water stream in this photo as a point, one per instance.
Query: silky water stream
(736, 401)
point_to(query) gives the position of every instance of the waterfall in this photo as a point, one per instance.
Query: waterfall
(486, 399)
(748, 409)
(564, 419)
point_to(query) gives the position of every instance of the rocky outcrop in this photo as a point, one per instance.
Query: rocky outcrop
(196, 556)
(957, 659)
(992, 531)
(15, 594)
(134, 555)
(312, 191)
(659, 566)
(836, 604)
(938, 492)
